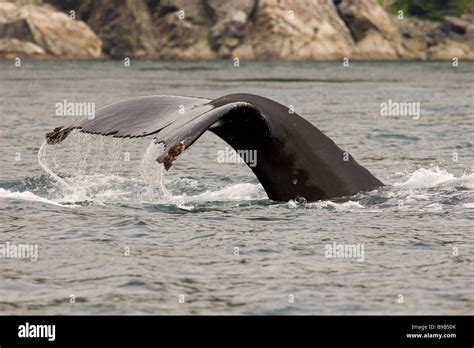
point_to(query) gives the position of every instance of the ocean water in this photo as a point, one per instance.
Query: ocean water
(116, 235)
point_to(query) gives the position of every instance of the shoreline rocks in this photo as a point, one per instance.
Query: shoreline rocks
(40, 30)
(213, 29)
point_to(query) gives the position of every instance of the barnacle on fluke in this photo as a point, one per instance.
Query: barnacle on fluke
(56, 136)
(173, 153)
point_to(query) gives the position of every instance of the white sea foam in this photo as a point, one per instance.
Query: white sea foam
(349, 205)
(427, 178)
(25, 196)
(237, 192)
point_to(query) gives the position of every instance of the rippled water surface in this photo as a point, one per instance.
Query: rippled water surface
(116, 236)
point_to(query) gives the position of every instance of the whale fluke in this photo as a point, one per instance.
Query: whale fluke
(294, 158)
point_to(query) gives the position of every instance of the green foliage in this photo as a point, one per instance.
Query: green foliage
(432, 9)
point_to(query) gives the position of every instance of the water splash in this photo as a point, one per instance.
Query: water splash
(431, 177)
(153, 174)
(90, 169)
(42, 162)
(93, 169)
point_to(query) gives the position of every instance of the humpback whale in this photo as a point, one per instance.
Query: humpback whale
(295, 159)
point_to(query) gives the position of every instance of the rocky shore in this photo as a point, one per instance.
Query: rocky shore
(216, 29)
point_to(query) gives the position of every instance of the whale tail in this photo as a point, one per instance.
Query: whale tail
(294, 159)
